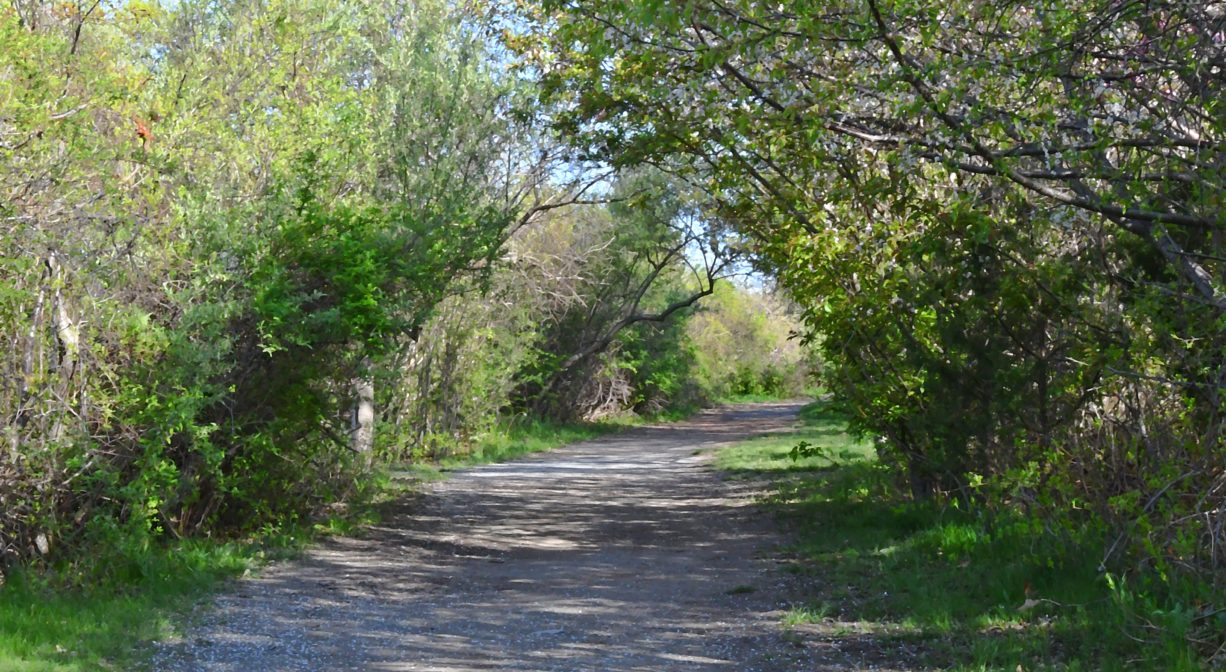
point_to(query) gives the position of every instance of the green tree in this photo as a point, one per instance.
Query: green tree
(649, 257)
(1002, 221)
(226, 222)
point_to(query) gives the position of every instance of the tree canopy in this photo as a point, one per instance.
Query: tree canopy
(1002, 221)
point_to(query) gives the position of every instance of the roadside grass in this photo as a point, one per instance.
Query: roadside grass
(751, 398)
(50, 623)
(772, 454)
(974, 592)
(811, 613)
(767, 397)
(100, 612)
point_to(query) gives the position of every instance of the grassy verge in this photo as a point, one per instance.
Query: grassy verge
(101, 612)
(767, 397)
(752, 398)
(47, 626)
(966, 591)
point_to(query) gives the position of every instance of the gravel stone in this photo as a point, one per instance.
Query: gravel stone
(622, 553)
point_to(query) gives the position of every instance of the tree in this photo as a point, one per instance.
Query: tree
(1106, 109)
(221, 228)
(649, 257)
(1003, 221)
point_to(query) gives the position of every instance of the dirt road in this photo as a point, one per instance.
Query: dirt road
(622, 553)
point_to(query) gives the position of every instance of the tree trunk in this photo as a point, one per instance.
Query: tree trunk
(68, 343)
(362, 434)
(67, 331)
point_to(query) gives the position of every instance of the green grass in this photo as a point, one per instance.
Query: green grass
(751, 398)
(771, 454)
(766, 397)
(46, 626)
(101, 612)
(955, 583)
(812, 613)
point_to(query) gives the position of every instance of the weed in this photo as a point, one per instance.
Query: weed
(810, 613)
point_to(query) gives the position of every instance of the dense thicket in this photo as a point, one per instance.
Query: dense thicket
(218, 220)
(252, 248)
(1003, 222)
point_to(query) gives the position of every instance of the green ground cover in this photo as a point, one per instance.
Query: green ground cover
(969, 590)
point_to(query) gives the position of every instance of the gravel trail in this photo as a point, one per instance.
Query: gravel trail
(622, 553)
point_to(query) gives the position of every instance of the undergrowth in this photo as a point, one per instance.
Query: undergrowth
(51, 621)
(973, 590)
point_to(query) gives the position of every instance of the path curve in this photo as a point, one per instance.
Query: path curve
(622, 553)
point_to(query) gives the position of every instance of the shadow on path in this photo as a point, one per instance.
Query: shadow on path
(621, 553)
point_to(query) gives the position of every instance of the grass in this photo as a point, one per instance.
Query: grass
(772, 454)
(767, 397)
(48, 627)
(813, 613)
(101, 613)
(974, 592)
(751, 398)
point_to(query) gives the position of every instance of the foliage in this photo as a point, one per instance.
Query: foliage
(217, 225)
(616, 279)
(569, 323)
(1001, 222)
(745, 346)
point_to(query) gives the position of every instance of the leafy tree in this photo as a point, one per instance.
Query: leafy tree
(223, 227)
(652, 255)
(744, 344)
(1002, 222)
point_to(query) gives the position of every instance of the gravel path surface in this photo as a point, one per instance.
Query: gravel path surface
(622, 553)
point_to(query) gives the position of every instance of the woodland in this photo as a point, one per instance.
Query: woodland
(254, 253)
